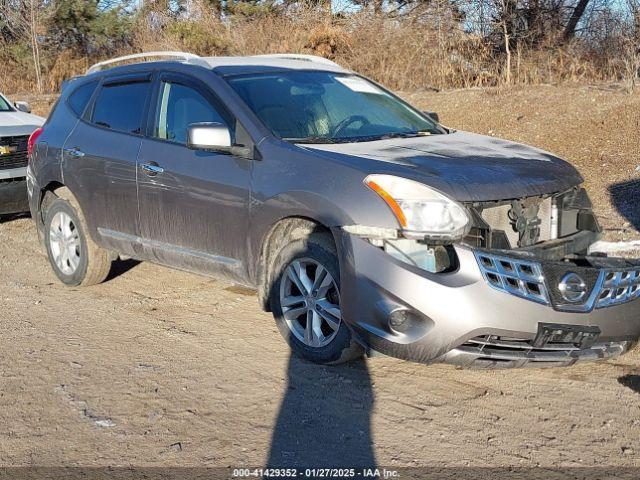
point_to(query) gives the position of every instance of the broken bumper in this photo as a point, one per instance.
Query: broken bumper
(462, 318)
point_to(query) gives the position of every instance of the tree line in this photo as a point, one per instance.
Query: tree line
(405, 43)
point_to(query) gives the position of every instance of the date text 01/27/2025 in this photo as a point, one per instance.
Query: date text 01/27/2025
(315, 473)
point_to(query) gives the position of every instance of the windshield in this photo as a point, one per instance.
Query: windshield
(5, 106)
(323, 107)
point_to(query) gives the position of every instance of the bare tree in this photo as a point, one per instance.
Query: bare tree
(505, 21)
(24, 19)
(576, 15)
(632, 44)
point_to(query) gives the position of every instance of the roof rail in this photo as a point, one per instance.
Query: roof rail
(300, 56)
(187, 57)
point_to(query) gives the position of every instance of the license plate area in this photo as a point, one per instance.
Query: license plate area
(580, 336)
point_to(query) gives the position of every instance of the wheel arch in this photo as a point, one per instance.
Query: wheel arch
(283, 231)
(39, 204)
(52, 190)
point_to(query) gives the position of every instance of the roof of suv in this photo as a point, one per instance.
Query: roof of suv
(260, 64)
(229, 65)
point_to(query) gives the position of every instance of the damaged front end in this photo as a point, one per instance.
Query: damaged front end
(553, 227)
(558, 227)
(515, 285)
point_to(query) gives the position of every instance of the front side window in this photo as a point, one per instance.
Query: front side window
(121, 107)
(178, 107)
(314, 106)
(5, 106)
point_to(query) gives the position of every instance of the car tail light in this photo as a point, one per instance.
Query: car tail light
(32, 140)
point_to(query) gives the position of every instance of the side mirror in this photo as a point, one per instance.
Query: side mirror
(209, 136)
(23, 107)
(433, 116)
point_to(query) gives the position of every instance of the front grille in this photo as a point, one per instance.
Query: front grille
(517, 277)
(605, 286)
(17, 157)
(618, 287)
(493, 351)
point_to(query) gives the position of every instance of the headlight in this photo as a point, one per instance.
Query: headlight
(420, 210)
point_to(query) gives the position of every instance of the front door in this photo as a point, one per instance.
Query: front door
(193, 204)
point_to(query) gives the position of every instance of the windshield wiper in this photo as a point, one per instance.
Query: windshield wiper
(386, 136)
(420, 133)
(365, 138)
(312, 139)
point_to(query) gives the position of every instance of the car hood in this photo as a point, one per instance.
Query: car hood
(465, 166)
(18, 123)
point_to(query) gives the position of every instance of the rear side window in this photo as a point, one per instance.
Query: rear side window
(121, 107)
(80, 97)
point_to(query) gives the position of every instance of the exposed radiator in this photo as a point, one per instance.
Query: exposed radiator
(498, 219)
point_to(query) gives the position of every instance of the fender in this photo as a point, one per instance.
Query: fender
(296, 204)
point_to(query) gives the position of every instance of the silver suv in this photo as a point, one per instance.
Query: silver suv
(16, 124)
(364, 224)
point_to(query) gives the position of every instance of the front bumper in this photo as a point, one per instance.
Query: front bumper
(493, 351)
(402, 311)
(13, 196)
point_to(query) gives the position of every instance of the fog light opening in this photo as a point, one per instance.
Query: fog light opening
(401, 321)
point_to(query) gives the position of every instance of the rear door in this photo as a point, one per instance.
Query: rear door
(99, 159)
(193, 204)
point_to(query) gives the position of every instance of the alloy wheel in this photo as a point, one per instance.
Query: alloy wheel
(64, 242)
(310, 301)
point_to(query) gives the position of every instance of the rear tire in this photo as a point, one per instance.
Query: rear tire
(74, 257)
(305, 301)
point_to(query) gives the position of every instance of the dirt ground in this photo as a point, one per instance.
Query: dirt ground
(163, 368)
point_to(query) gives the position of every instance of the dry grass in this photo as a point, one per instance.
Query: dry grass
(403, 53)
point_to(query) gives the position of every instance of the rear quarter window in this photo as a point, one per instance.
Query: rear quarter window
(121, 107)
(80, 97)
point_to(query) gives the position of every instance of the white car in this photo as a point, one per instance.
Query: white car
(16, 125)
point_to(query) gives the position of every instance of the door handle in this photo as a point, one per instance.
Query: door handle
(74, 152)
(151, 169)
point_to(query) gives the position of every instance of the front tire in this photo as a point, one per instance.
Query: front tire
(74, 257)
(305, 301)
